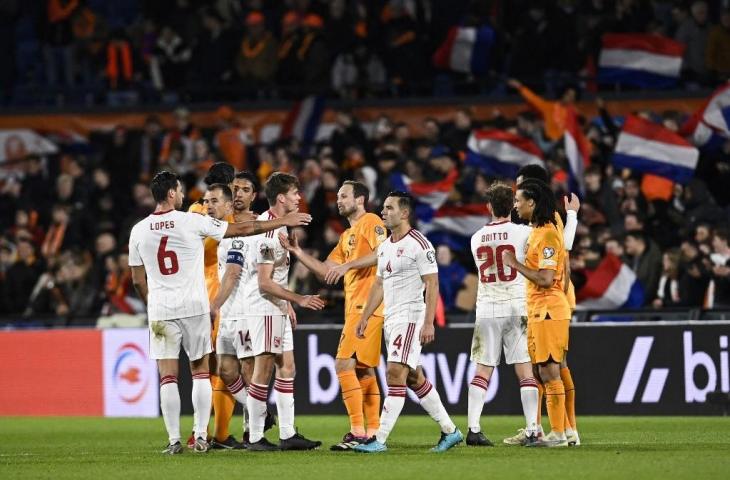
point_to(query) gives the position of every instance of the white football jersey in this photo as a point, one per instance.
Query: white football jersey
(498, 283)
(235, 250)
(266, 249)
(401, 265)
(170, 246)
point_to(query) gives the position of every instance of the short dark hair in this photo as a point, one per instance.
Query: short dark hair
(405, 201)
(227, 194)
(246, 175)
(358, 189)
(279, 182)
(162, 183)
(535, 171)
(636, 235)
(220, 172)
(501, 198)
(544, 199)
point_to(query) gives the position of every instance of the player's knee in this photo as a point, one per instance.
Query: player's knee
(396, 376)
(286, 371)
(344, 364)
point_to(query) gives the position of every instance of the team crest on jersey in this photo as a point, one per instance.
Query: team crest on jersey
(430, 256)
(237, 245)
(277, 342)
(380, 232)
(548, 252)
(399, 252)
(351, 242)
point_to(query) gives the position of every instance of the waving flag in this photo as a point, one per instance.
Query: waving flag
(465, 50)
(645, 146)
(500, 153)
(611, 285)
(578, 152)
(303, 120)
(716, 114)
(640, 59)
(453, 225)
(431, 195)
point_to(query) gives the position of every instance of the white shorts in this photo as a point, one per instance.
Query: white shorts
(402, 338)
(193, 333)
(234, 338)
(492, 335)
(267, 333)
(288, 344)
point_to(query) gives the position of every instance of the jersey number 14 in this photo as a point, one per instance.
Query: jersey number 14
(490, 257)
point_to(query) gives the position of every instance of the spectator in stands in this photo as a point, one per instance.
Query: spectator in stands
(347, 133)
(631, 16)
(718, 49)
(232, 138)
(600, 194)
(146, 149)
(403, 51)
(120, 62)
(531, 40)
(668, 292)
(288, 71)
(693, 33)
(213, 54)
(89, 32)
(703, 238)
(694, 275)
(172, 56)
(457, 135)
(554, 114)
(21, 277)
(645, 259)
(58, 52)
(181, 137)
(257, 56)
(451, 276)
(314, 55)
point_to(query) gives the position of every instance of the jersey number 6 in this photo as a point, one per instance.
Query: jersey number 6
(163, 254)
(487, 254)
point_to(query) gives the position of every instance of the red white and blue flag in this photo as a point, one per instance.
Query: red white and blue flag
(577, 151)
(429, 194)
(711, 121)
(640, 59)
(302, 121)
(454, 225)
(465, 50)
(501, 153)
(611, 285)
(644, 146)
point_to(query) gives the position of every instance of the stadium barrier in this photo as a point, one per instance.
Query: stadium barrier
(640, 368)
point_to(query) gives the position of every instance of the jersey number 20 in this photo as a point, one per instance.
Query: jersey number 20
(490, 257)
(162, 254)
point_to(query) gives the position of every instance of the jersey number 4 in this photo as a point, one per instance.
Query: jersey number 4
(494, 256)
(165, 257)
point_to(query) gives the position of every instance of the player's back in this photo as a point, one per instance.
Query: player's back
(170, 246)
(498, 283)
(401, 265)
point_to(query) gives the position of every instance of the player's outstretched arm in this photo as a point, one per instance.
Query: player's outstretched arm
(317, 267)
(375, 298)
(336, 273)
(543, 278)
(269, 287)
(244, 229)
(572, 205)
(233, 273)
(139, 279)
(432, 294)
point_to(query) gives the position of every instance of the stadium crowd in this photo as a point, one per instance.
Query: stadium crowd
(93, 51)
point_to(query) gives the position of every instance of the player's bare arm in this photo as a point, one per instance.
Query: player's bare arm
(543, 278)
(139, 279)
(432, 294)
(269, 287)
(245, 229)
(230, 278)
(336, 273)
(292, 316)
(317, 267)
(374, 300)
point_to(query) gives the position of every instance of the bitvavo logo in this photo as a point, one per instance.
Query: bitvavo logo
(692, 360)
(129, 375)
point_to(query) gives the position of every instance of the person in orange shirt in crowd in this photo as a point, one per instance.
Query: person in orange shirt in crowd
(232, 138)
(257, 58)
(554, 114)
(183, 134)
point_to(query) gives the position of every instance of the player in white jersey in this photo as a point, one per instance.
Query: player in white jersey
(269, 319)
(166, 259)
(501, 321)
(406, 264)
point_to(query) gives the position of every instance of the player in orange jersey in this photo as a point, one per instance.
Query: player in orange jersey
(548, 309)
(356, 358)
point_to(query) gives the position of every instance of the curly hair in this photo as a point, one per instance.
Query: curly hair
(544, 199)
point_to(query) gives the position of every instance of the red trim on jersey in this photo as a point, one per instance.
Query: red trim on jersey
(419, 238)
(496, 223)
(162, 213)
(408, 341)
(401, 238)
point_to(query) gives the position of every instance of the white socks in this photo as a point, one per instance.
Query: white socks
(392, 406)
(240, 393)
(285, 406)
(256, 403)
(202, 403)
(170, 406)
(477, 395)
(431, 402)
(529, 396)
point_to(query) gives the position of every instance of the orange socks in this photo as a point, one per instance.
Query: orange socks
(223, 405)
(371, 403)
(555, 393)
(352, 396)
(567, 379)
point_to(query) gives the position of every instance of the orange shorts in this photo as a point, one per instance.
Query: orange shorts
(365, 350)
(547, 339)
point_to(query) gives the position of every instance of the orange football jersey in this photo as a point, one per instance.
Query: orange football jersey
(546, 251)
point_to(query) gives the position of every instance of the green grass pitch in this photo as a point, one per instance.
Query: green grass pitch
(613, 447)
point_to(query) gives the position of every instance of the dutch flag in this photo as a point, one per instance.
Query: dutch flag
(611, 285)
(303, 120)
(640, 59)
(453, 225)
(431, 195)
(645, 146)
(577, 151)
(500, 153)
(465, 50)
